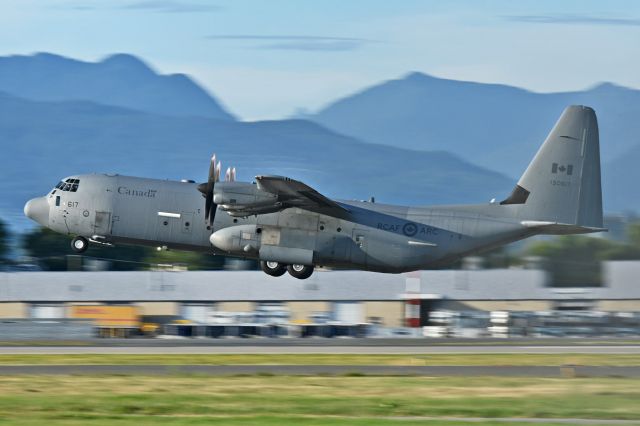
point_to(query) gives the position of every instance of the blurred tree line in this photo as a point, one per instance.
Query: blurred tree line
(52, 249)
(4, 242)
(571, 260)
(575, 260)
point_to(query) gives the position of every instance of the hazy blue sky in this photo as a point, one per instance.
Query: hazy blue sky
(264, 59)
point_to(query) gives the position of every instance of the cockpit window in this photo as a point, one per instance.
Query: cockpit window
(69, 185)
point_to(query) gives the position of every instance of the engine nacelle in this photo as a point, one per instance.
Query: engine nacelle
(248, 239)
(237, 239)
(244, 199)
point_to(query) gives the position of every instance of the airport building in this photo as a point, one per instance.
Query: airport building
(342, 296)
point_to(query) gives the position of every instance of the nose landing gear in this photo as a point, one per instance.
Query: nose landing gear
(79, 244)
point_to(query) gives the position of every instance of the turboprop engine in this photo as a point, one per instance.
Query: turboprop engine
(238, 199)
(237, 239)
(241, 199)
(263, 242)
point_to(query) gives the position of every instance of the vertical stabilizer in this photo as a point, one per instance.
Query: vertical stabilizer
(562, 182)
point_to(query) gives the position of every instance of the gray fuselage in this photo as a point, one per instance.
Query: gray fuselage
(385, 238)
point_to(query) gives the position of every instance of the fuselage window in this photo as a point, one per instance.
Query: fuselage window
(58, 201)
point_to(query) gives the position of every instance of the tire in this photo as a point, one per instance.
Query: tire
(275, 269)
(301, 272)
(79, 244)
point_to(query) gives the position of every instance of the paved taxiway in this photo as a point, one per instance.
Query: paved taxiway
(314, 370)
(327, 346)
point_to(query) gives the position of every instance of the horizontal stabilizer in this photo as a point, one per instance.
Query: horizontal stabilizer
(555, 228)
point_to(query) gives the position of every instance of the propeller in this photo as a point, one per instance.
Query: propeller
(230, 175)
(207, 188)
(207, 191)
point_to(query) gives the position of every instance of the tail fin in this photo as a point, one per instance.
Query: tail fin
(561, 186)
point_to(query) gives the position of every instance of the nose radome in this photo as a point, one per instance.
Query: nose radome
(37, 209)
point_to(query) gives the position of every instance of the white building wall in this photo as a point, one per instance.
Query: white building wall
(254, 286)
(348, 312)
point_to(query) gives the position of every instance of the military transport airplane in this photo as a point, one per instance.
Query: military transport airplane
(288, 226)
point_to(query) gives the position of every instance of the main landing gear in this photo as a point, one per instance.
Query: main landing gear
(301, 272)
(277, 269)
(274, 269)
(79, 244)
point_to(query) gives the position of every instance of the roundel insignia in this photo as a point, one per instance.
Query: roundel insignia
(85, 213)
(409, 229)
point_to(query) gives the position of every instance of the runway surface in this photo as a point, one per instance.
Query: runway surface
(315, 370)
(318, 349)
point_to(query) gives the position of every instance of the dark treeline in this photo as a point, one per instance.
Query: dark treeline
(51, 250)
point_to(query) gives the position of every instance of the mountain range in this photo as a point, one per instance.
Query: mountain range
(118, 80)
(59, 116)
(495, 126)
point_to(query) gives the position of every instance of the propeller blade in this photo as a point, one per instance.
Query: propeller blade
(227, 175)
(208, 203)
(207, 190)
(204, 187)
(233, 174)
(212, 166)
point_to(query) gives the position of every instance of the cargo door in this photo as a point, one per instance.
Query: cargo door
(98, 213)
(102, 224)
(348, 312)
(47, 310)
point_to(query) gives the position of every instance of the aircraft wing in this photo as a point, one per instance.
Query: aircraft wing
(293, 193)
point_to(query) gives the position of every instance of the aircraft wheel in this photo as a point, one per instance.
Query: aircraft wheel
(275, 269)
(301, 272)
(79, 244)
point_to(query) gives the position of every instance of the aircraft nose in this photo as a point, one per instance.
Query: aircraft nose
(37, 209)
